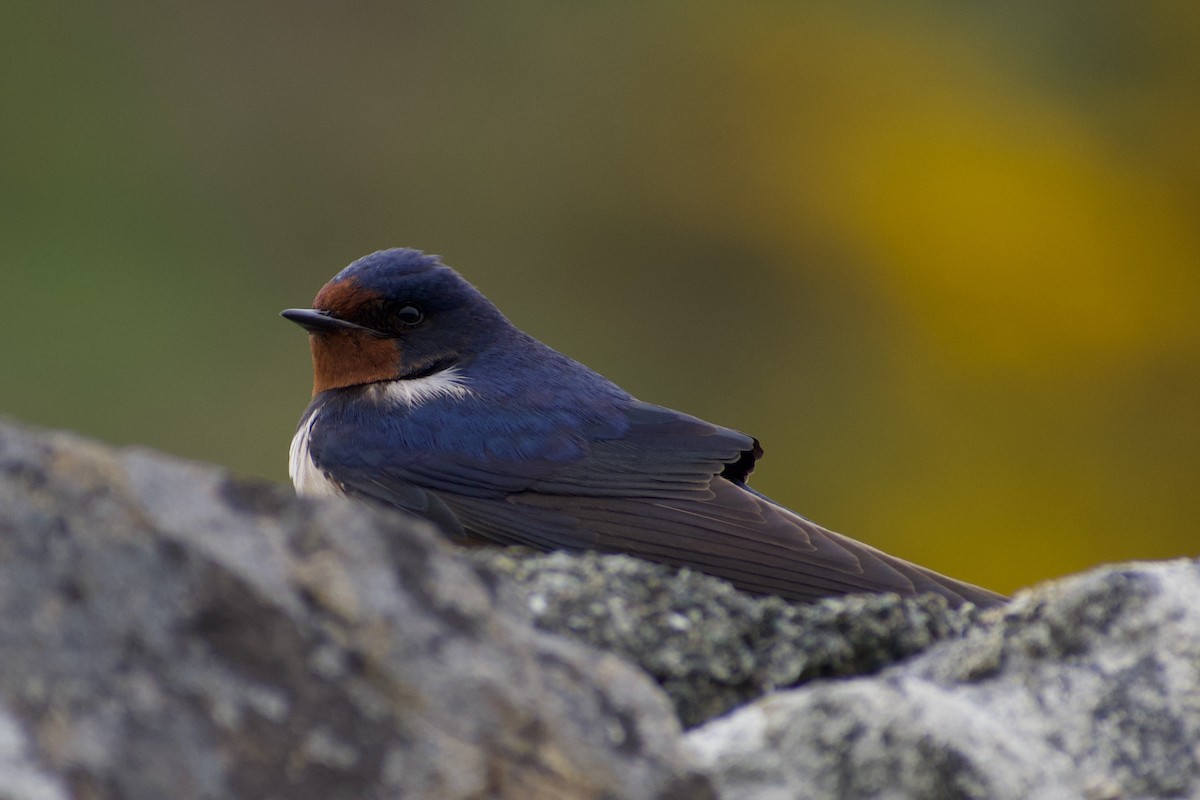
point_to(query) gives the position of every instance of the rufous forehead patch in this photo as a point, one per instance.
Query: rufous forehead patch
(345, 298)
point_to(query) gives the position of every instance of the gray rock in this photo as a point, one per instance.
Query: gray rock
(708, 645)
(168, 631)
(1087, 687)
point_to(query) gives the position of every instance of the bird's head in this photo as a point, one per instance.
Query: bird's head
(393, 315)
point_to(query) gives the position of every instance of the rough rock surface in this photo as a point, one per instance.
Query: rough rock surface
(708, 645)
(169, 632)
(1087, 687)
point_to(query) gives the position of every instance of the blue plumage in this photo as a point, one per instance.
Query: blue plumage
(429, 400)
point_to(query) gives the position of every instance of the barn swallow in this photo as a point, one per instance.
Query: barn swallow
(427, 399)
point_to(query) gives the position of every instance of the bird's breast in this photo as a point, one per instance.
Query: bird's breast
(309, 479)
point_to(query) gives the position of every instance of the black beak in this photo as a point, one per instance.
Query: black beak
(317, 321)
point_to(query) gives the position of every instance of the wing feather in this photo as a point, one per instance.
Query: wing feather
(650, 482)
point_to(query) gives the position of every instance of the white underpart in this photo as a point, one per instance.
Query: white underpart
(308, 479)
(414, 391)
(311, 481)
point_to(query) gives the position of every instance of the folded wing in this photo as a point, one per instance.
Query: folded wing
(650, 482)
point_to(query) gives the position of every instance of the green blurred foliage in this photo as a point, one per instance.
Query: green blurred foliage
(941, 258)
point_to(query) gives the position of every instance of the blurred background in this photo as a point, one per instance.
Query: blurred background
(943, 259)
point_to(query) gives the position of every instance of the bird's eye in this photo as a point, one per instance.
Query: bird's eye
(409, 315)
